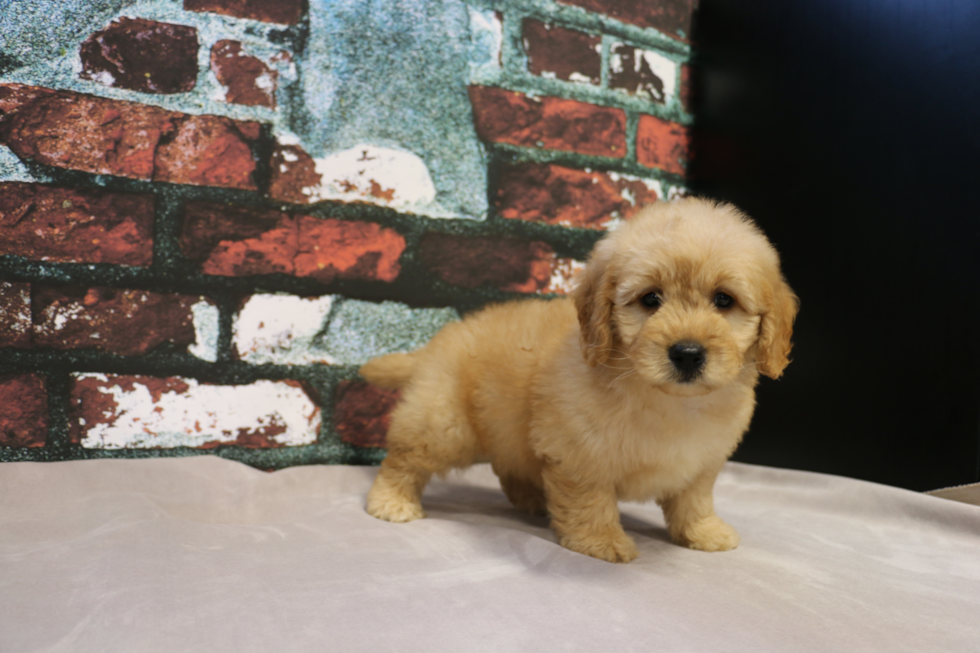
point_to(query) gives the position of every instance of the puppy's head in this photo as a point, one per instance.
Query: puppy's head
(690, 292)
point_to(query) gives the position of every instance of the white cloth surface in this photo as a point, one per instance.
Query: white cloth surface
(204, 554)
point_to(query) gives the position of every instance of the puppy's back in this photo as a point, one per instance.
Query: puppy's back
(479, 372)
(503, 342)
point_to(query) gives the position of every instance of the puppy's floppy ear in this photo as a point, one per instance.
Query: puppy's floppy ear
(772, 353)
(594, 300)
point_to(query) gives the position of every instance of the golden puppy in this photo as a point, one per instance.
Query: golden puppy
(639, 387)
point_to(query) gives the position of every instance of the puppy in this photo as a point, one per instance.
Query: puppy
(638, 387)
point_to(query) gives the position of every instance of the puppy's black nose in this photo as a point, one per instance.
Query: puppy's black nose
(688, 357)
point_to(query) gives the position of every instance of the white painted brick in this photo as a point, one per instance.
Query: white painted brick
(661, 66)
(183, 412)
(379, 175)
(281, 329)
(563, 276)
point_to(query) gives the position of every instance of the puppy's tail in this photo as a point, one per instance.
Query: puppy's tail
(391, 371)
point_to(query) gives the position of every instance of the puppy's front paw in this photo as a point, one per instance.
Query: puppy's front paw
(611, 547)
(710, 534)
(393, 508)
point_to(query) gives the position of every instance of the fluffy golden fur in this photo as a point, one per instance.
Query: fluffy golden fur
(638, 387)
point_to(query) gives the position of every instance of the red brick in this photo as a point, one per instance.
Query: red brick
(672, 17)
(548, 122)
(81, 226)
(124, 322)
(363, 413)
(81, 132)
(504, 263)
(15, 314)
(635, 74)
(563, 53)
(566, 196)
(292, 171)
(207, 225)
(271, 11)
(98, 135)
(208, 151)
(142, 55)
(243, 75)
(354, 250)
(237, 241)
(662, 144)
(23, 411)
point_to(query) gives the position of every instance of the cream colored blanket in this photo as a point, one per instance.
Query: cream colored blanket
(203, 554)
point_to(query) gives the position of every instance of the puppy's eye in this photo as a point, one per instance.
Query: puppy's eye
(651, 300)
(723, 300)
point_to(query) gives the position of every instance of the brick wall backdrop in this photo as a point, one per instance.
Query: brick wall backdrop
(212, 211)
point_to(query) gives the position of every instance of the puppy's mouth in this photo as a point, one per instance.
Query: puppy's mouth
(679, 368)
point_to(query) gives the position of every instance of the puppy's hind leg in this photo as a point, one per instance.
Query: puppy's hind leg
(396, 495)
(422, 441)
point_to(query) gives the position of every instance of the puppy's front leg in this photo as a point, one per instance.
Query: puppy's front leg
(585, 515)
(691, 517)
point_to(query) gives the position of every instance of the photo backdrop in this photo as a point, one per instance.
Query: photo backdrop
(213, 211)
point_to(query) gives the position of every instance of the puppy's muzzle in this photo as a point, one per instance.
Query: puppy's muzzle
(688, 358)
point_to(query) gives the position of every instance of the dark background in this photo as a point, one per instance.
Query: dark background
(850, 130)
